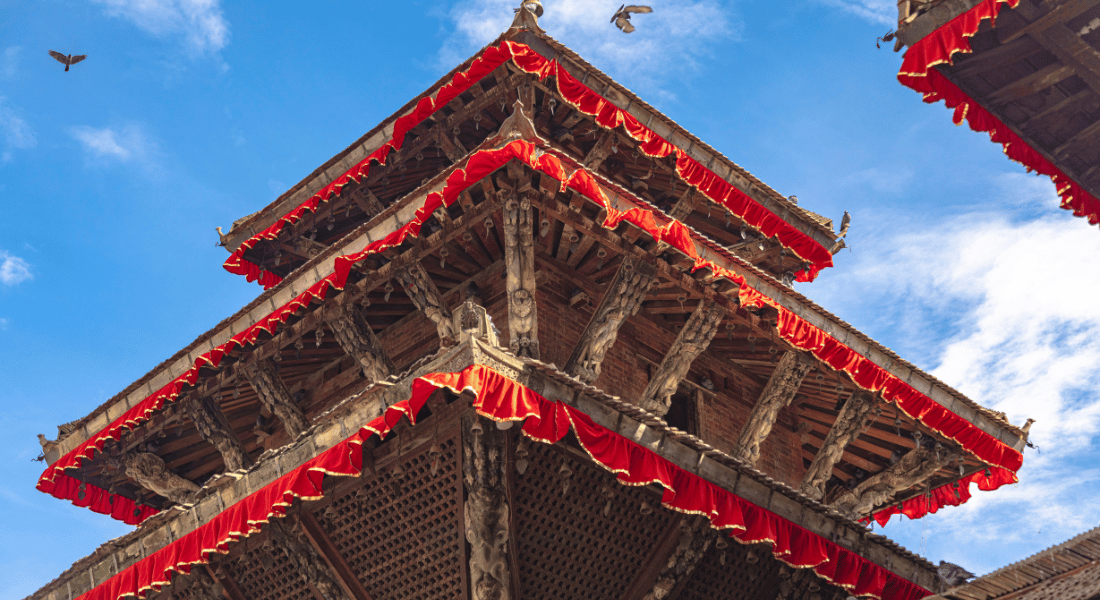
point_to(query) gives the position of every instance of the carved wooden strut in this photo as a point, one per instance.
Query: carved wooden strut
(355, 336)
(621, 301)
(487, 510)
(214, 427)
(695, 542)
(857, 415)
(305, 560)
(781, 388)
(275, 396)
(692, 341)
(519, 258)
(913, 468)
(425, 295)
(152, 474)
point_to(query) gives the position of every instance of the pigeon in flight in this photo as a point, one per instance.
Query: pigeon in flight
(622, 17)
(67, 60)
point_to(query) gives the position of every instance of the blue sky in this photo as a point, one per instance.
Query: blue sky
(189, 114)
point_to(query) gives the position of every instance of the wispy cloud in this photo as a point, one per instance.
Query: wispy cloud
(876, 11)
(200, 23)
(126, 144)
(1002, 304)
(665, 46)
(13, 270)
(17, 134)
(9, 61)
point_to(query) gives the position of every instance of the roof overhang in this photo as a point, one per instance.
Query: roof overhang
(1026, 73)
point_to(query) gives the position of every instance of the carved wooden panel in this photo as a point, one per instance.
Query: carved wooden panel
(402, 539)
(568, 548)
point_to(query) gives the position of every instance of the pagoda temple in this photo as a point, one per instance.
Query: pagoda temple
(527, 338)
(1027, 72)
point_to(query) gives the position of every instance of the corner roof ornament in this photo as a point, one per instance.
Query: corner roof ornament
(527, 16)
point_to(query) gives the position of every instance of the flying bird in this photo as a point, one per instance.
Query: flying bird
(622, 16)
(67, 60)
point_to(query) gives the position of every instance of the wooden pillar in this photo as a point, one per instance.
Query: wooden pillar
(781, 388)
(519, 258)
(621, 301)
(214, 427)
(150, 472)
(690, 343)
(425, 295)
(858, 413)
(355, 336)
(913, 468)
(275, 396)
(488, 523)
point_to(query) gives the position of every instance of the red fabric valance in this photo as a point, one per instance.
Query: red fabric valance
(606, 114)
(946, 495)
(919, 73)
(663, 229)
(502, 399)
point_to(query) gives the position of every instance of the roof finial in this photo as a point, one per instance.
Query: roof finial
(527, 15)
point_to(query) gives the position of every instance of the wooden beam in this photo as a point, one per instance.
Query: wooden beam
(1066, 12)
(488, 525)
(696, 540)
(338, 566)
(914, 468)
(621, 301)
(150, 472)
(425, 295)
(229, 585)
(214, 427)
(655, 563)
(355, 336)
(855, 417)
(275, 396)
(306, 561)
(519, 257)
(692, 340)
(600, 151)
(1029, 84)
(1072, 50)
(781, 388)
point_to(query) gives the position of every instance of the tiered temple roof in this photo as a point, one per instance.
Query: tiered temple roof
(335, 437)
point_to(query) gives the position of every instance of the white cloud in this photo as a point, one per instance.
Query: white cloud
(9, 61)
(17, 134)
(200, 23)
(127, 144)
(13, 270)
(1002, 302)
(876, 11)
(665, 45)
